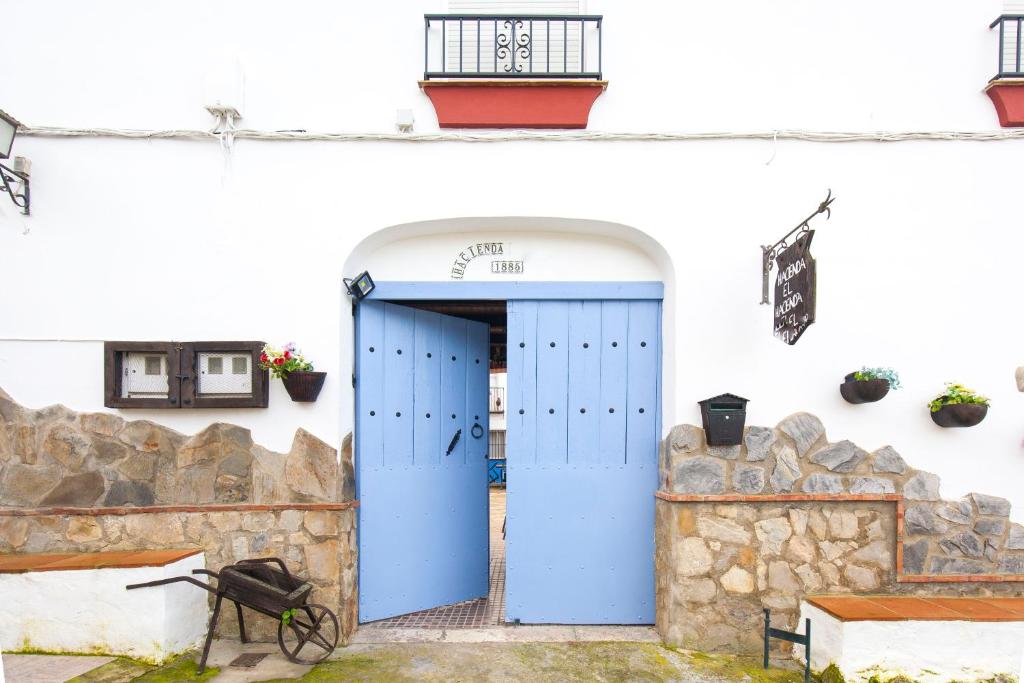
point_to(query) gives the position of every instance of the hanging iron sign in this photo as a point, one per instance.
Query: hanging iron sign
(794, 289)
(796, 280)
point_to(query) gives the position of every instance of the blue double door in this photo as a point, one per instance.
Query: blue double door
(584, 419)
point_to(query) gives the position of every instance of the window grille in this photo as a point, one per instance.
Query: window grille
(496, 444)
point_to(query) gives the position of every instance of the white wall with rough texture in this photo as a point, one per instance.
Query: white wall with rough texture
(89, 611)
(926, 651)
(179, 240)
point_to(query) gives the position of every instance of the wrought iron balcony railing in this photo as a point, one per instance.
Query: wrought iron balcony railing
(1009, 45)
(511, 46)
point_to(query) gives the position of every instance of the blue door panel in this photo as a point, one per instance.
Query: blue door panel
(423, 512)
(583, 471)
(585, 389)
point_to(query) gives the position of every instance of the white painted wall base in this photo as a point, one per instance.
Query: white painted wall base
(90, 612)
(926, 651)
(1, 668)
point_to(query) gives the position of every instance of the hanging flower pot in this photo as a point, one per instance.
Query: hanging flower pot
(303, 386)
(291, 367)
(869, 385)
(958, 407)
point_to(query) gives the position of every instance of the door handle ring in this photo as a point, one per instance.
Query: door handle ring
(477, 430)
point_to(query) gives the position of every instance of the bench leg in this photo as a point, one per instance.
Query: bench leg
(209, 634)
(241, 623)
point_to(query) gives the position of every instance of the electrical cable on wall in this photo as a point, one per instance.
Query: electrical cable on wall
(227, 133)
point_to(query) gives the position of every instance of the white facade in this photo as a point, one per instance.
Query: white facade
(182, 239)
(89, 611)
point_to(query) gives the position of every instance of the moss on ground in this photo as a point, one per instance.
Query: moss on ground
(121, 670)
(183, 668)
(733, 668)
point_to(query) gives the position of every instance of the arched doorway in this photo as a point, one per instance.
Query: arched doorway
(582, 320)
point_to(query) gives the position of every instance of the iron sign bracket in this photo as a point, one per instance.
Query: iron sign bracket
(11, 181)
(768, 254)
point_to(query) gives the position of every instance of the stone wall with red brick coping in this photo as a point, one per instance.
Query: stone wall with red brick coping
(788, 513)
(94, 482)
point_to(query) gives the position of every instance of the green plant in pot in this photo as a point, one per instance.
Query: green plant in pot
(868, 385)
(958, 406)
(301, 382)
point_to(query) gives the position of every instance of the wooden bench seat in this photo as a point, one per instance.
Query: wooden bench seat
(928, 638)
(77, 603)
(39, 562)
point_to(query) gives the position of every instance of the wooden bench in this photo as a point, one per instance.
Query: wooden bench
(929, 638)
(77, 603)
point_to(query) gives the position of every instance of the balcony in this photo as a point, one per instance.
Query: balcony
(512, 71)
(1006, 89)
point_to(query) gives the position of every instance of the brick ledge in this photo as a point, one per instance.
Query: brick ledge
(152, 509)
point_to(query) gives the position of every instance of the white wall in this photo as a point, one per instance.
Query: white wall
(918, 268)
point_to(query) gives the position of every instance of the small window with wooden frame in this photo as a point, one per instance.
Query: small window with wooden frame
(207, 374)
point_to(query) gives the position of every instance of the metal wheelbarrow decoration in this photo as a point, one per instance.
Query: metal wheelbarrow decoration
(306, 632)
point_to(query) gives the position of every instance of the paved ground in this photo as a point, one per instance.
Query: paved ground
(457, 662)
(50, 669)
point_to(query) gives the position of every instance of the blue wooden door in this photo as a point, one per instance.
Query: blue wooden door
(582, 456)
(421, 459)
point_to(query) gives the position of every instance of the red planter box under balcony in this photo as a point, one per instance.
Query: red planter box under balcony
(1008, 96)
(513, 103)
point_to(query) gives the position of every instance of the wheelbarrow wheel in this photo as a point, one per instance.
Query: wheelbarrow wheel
(310, 636)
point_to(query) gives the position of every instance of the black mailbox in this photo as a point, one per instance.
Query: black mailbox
(723, 418)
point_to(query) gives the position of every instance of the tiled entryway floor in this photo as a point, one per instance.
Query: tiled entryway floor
(478, 613)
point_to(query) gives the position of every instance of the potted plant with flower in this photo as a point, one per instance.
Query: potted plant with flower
(958, 406)
(291, 367)
(868, 385)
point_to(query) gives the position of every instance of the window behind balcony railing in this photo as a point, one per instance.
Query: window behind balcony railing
(1011, 45)
(487, 39)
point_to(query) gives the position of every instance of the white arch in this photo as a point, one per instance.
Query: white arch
(563, 249)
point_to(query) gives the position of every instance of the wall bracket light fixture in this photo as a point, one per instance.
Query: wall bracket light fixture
(15, 180)
(359, 286)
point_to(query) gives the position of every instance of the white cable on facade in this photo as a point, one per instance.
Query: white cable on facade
(526, 135)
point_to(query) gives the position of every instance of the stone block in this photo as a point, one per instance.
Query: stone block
(843, 456)
(66, 446)
(135, 493)
(257, 521)
(877, 552)
(962, 544)
(25, 485)
(322, 561)
(76, 490)
(914, 556)
(758, 441)
(685, 440)
(819, 482)
(162, 528)
(699, 475)
(149, 437)
(809, 578)
(991, 505)
(955, 565)
(321, 522)
(805, 430)
(701, 591)
(102, 424)
(922, 486)
(772, 533)
(860, 578)
(311, 468)
(958, 512)
(1011, 564)
(737, 580)
(691, 557)
(920, 520)
(13, 532)
(725, 452)
(887, 460)
(748, 479)
(781, 578)
(843, 524)
(1015, 539)
(872, 485)
(346, 471)
(787, 469)
(82, 529)
(990, 526)
(798, 520)
(801, 550)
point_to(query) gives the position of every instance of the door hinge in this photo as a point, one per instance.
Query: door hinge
(353, 380)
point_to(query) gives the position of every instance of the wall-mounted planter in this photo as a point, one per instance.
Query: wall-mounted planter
(863, 390)
(513, 103)
(1007, 94)
(960, 415)
(304, 387)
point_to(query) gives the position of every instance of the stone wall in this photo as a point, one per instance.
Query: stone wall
(788, 513)
(94, 482)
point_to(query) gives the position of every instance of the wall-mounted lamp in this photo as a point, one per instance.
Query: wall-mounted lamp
(15, 180)
(360, 286)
